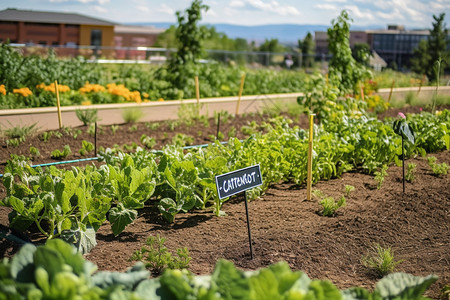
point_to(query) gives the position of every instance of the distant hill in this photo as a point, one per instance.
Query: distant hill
(285, 33)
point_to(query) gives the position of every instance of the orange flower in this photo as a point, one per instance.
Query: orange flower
(51, 87)
(25, 92)
(91, 88)
(2, 89)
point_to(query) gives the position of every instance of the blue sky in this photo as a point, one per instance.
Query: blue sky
(410, 13)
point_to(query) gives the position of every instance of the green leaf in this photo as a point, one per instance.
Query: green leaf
(231, 283)
(120, 217)
(49, 259)
(22, 264)
(168, 208)
(401, 128)
(16, 204)
(83, 240)
(403, 286)
(130, 279)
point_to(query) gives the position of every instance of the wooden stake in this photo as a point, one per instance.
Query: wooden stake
(197, 90)
(58, 104)
(390, 93)
(309, 165)
(241, 88)
(361, 88)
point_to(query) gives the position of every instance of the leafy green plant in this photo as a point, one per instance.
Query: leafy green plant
(18, 134)
(157, 257)
(438, 169)
(34, 153)
(147, 141)
(153, 125)
(348, 189)
(380, 259)
(45, 136)
(87, 116)
(56, 271)
(133, 128)
(380, 176)
(86, 147)
(114, 129)
(61, 154)
(411, 172)
(330, 206)
(182, 140)
(132, 115)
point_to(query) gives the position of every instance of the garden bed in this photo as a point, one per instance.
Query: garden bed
(284, 225)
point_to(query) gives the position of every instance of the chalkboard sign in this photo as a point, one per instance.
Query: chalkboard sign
(238, 181)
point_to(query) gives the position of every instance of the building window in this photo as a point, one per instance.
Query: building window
(96, 37)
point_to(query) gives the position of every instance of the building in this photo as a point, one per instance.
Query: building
(54, 28)
(394, 45)
(133, 37)
(75, 34)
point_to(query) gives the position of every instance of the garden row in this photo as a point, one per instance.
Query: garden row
(56, 271)
(73, 204)
(29, 81)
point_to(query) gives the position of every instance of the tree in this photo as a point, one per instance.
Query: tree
(421, 58)
(429, 52)
(190, 36)
(270, 46)
(361, 53)
(167, 39)
(344, 71)
(307, 48)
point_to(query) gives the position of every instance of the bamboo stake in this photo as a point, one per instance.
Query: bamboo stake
(310, 149)
(197, 90)
(58, 104)
(390, 93)
(241, 88)
(361, 88)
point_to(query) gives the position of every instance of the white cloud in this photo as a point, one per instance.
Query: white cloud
(164, 8)
(272, 7)
(237, 3)
(143, 8)
(326, 6)
(336, 1)
(355, 12)
(100, 9)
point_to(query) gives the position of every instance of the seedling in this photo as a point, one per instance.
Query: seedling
(114, 128)
(86, 147)
(380, 259)
(87, 116)
(18, 134)
(411, 172)
(34, 153)
(57, 154)
(380, 175)
(438, 169)
(147, 141)
(157, 257)
(348, 189)
(329, 205)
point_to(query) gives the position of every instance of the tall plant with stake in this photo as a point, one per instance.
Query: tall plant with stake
(345, 72)
(190, 48)
(402, 128)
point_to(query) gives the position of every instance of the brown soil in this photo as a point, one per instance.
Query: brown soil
(284, 225)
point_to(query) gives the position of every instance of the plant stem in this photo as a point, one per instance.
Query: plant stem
(403, 164)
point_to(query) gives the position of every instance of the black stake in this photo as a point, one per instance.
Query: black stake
(403, 165)
(218, 126)
(95, 139)
(248, 226)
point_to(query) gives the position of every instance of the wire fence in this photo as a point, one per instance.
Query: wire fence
(154, 55)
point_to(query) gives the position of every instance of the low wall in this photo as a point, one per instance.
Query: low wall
(47, 117)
